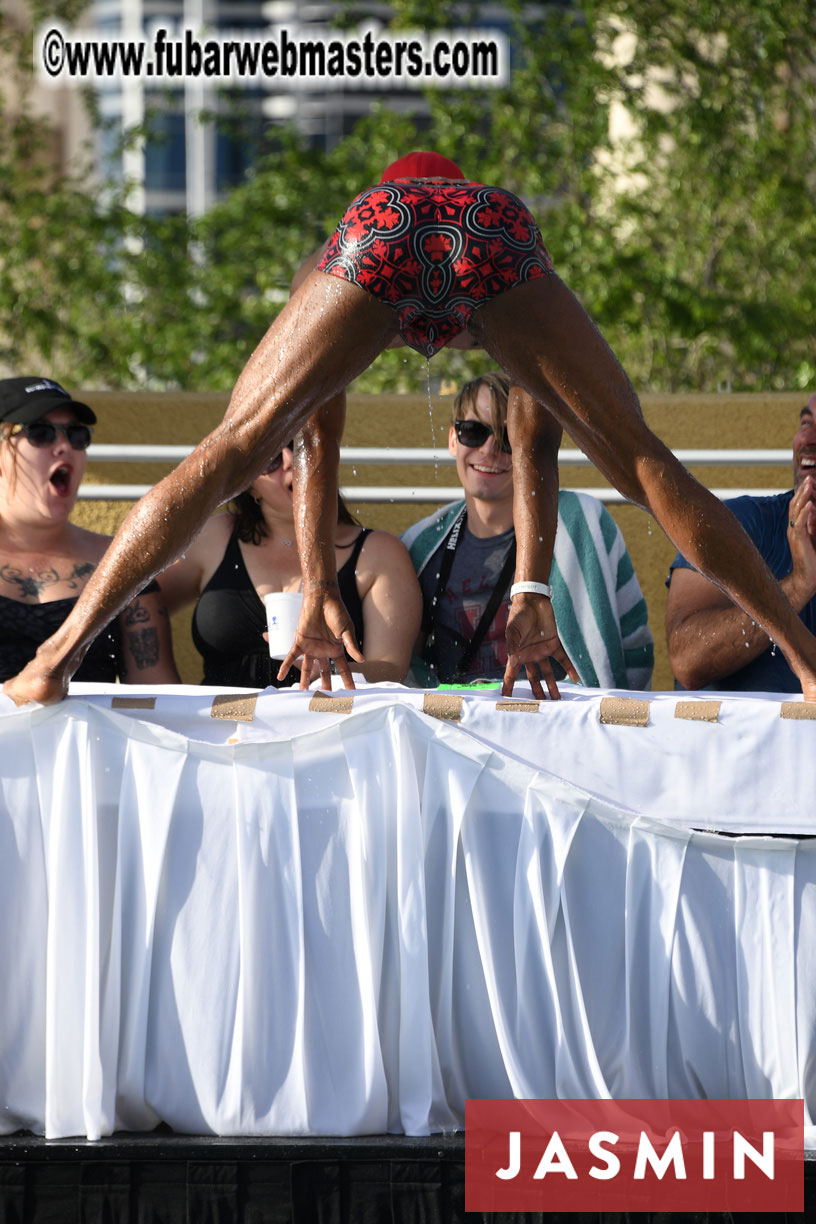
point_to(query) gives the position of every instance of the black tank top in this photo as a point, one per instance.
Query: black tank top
(25, 626)
(230, 619)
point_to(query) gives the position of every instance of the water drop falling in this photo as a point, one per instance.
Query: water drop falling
(431, 415)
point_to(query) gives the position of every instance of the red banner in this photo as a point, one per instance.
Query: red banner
(675, 1155)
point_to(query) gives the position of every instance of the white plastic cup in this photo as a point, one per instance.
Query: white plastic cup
(282, 612)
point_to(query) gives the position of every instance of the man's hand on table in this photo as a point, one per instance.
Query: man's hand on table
(532, 641)
(324, 633)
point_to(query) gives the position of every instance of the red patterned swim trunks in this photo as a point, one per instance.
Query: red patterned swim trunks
(435, 252)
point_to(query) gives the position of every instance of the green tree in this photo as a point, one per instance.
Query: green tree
(690, 239)
(719, 247)
(58, 283)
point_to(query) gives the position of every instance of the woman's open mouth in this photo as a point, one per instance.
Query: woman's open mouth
(60, 480)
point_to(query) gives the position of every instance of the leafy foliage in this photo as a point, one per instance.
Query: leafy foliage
(668, 150)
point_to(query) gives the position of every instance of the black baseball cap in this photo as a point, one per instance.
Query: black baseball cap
(27, 399)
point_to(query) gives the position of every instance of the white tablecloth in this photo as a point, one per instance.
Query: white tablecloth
(348, 923)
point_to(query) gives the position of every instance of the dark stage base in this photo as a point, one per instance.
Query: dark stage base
(163, 1178)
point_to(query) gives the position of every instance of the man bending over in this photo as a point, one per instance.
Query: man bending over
(427, 255)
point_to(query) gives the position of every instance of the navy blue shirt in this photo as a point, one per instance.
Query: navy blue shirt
(766, 521)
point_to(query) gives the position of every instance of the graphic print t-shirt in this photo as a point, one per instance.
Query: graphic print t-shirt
(476, 569)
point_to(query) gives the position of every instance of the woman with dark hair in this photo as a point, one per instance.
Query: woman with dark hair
(250, 552)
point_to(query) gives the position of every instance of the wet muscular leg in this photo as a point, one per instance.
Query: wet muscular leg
(326, 335)
(541, 335)
(323, 338)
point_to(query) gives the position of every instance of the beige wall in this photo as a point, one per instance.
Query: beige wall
(63, 105)
(684, 421)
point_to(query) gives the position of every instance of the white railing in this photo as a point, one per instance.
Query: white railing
(351, 456)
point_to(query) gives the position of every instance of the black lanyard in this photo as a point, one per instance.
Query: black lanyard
(469, 649)
(451, 545)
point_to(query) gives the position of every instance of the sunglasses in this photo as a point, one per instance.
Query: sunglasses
(274, 464)
(474, 433)
(44, 433)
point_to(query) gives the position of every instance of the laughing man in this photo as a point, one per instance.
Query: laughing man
(712, 643)
(464, 555)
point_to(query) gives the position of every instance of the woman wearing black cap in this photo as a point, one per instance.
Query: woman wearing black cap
(45, 560)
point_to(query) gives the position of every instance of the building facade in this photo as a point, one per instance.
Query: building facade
(201, 139)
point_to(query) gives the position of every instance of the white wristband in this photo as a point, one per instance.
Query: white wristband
(534, 588)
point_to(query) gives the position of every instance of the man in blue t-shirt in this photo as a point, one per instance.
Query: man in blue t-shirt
(712, 644)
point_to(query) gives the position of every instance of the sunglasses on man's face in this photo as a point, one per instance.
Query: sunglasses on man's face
(274, 464)
(474, 433)
(44, 433)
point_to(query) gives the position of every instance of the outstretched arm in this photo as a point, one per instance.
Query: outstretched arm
(532, 637)
(325, 630)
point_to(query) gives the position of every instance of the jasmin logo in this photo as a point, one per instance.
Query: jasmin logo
(633, 1155)
(672, 1160)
